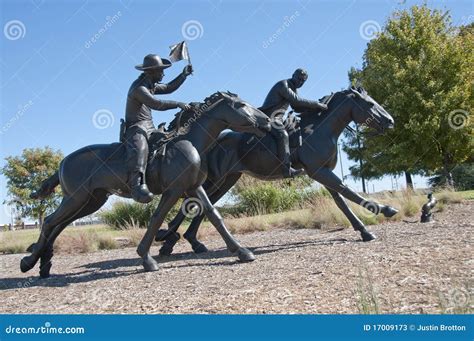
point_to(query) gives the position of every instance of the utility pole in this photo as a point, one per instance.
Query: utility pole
(340, 161)
(360, 159)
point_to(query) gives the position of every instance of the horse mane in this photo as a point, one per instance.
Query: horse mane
(198, 108)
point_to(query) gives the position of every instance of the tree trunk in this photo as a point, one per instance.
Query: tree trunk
(447, 162)
(448, 176)
(409, 181)
(40, 220)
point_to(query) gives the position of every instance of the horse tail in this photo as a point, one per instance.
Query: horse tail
(47, 187)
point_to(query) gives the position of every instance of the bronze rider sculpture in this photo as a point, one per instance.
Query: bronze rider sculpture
(138, 118)
(282, 95)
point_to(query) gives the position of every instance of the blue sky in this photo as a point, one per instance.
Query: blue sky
(64, 63)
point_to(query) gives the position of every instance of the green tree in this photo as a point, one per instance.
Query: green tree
(24, 174)
(420, 68)
(463, 176)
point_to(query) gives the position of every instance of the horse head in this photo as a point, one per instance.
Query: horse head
(243, 117)
(368, 112)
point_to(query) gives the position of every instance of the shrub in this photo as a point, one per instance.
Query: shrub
(106, 243)
(267, 198)
(125, 215)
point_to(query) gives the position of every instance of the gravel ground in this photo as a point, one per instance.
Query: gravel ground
(410, 268)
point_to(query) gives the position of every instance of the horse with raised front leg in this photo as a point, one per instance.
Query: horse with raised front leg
(237, 153)
(89, 175)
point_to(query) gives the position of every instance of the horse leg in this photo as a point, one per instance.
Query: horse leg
(92, 206)
(191, 233)
(355, 222)
(168, 199)
(67, 210)
(171, 237)
(330, 180)
(327, 178)
(215, 218)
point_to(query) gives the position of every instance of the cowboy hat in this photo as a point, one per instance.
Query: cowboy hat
(153, 61)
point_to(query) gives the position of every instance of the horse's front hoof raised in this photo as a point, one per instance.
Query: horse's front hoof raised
(367, 236)
(389, 211)
(245, 255)
(149, 264)
(161, 235)
(27, 263)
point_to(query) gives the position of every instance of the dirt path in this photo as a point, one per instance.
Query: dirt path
(410, 268)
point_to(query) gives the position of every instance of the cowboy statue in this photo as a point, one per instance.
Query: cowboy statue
(138, 120)
(281, 95)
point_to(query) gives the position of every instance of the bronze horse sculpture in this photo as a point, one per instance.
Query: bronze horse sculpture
(235, 154)
(89, 175)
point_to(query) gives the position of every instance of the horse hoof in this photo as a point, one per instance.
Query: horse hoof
(166, 251)
(367, 236)
(161, 235)
(245, 255)
(389, 211)
(44, 274)
(26, 264)
(149, 264)
(45, 270)
(199, 248)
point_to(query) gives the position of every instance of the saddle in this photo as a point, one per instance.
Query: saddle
(161, 136)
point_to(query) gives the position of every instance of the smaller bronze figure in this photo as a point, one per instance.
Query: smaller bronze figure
(426, 214)
(281, 95)
(138, 120)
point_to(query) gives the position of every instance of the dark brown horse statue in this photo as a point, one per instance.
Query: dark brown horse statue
(89, 175)
(238, 153)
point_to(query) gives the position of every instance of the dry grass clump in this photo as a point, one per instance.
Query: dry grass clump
(84, 242)
(80, 242)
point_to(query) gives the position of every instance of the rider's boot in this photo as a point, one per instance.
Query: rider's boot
(284, 156)
(139, 189)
